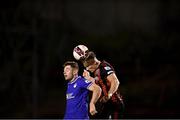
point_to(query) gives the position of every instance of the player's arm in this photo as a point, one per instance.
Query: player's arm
(87, 76)
(96, 93)
(114, 82)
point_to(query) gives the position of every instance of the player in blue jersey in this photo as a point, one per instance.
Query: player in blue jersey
(77, 93)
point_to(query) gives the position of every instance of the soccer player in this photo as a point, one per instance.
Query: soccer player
(77, 93)
(110, 103)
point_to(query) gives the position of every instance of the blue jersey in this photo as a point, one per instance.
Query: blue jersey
(77, 99)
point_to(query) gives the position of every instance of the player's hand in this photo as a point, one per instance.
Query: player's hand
(87, 76)
(104, 99)
(92, 109)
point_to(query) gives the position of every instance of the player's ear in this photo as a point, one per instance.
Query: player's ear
(75, 71)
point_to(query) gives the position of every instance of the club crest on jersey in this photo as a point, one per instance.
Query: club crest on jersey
(75, 85)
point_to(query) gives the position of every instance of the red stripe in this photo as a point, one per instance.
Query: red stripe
(104, 89)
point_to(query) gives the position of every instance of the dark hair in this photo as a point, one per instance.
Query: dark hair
(73, 64)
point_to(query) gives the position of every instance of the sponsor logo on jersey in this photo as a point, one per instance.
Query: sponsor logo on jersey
(69, 96)
(107, 68)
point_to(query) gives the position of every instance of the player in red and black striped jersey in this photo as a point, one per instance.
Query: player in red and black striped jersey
(110, 104)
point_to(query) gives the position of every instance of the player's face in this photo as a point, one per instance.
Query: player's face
(68, 72)
(92, 67)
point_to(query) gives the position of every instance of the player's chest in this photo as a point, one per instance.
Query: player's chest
(72, 91)
(73, 88)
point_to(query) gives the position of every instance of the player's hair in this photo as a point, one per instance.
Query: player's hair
(90, 55)
(90, 59)
(73, 64)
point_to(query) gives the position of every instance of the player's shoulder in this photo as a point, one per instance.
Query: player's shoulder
(106, 68)
(82, 79)
(106, 65)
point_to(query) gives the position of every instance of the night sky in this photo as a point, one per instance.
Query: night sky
(139, 38)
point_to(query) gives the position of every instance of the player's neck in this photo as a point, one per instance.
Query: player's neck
(74, 78)
(98, 63)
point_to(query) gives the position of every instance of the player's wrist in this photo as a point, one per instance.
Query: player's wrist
(92, 103)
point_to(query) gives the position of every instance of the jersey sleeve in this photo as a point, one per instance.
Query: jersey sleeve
(84, 83)
(106, 70)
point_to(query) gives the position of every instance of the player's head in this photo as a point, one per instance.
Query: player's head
(91, 63)
(71, 69)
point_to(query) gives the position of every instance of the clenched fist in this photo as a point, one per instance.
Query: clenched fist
(92, 109)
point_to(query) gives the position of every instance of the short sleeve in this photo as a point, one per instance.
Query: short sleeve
(84, 83)
(106, 69)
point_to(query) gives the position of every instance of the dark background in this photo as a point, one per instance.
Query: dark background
(140, 38)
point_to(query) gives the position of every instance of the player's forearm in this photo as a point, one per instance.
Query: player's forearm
(96, 94)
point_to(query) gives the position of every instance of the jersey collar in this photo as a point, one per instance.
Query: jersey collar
(71, 82)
